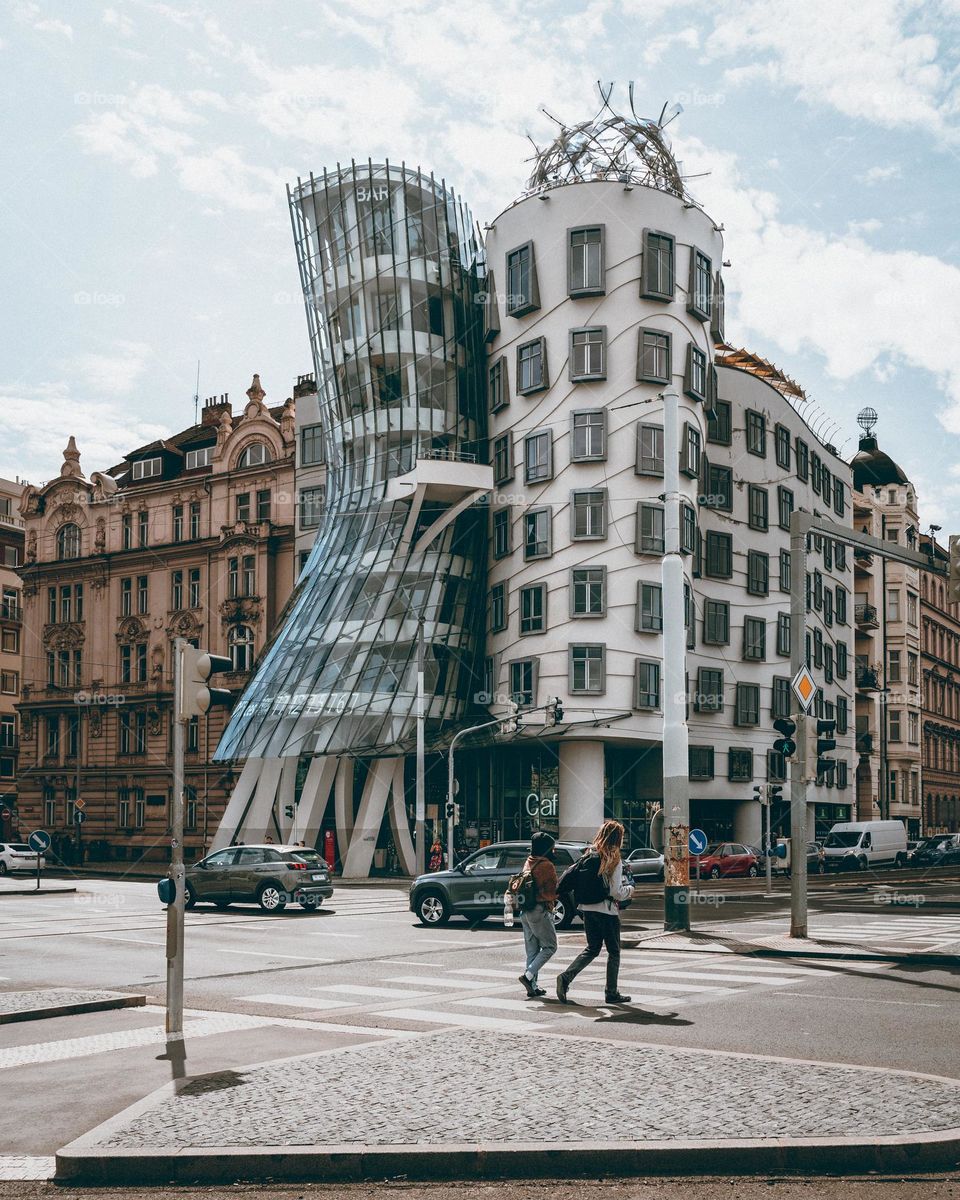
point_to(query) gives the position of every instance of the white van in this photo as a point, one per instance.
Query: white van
(856, 845)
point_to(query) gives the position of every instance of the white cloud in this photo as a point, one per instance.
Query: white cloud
(880, 174)
(32, 15)
(869, 225)
(117, 21)
(860, 59)
(657, 47)
(114, 372)
(222, 174)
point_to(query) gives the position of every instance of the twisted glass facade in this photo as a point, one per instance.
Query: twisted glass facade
(390, 270)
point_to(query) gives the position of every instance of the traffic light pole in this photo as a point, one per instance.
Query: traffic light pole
(451, 782)
(175, 911)
(421, 800)
(797, 767)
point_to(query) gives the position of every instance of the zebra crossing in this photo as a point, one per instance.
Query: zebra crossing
(919, 932)
(487, 997)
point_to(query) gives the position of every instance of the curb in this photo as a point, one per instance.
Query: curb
(106, 1167)
(754, 951)
(44, 891)
(66, 1010)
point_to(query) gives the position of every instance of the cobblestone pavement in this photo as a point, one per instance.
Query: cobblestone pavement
(41, 998)
(471, 1086)
(25, 1166)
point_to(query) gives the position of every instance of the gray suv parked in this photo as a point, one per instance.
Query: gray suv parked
(269, 875)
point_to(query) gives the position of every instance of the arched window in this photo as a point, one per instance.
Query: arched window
(255, 455)
(68, 542)
(241, 647)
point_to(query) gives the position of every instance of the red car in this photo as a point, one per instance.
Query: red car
(726, 858)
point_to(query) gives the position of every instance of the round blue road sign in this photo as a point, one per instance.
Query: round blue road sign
(79, 817)
(39, 841)
(696, 841)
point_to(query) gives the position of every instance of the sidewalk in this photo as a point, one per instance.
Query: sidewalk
(387, 1109)
(141, 871)
(728, 939)
(40, 1003)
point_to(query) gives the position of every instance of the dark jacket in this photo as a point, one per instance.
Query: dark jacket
(545, 874)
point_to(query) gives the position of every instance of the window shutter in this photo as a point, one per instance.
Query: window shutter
(717, 307)
(491, 310)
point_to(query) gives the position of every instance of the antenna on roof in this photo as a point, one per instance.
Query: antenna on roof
(196, 397)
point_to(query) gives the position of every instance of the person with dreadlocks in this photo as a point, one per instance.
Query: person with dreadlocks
(600, 882)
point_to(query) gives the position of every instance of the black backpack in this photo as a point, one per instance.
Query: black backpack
(583, 881)
(522, 890)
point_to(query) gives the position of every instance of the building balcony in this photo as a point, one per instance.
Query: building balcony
(868, 679)
(866, 616)
(862, 558)
(12, 521)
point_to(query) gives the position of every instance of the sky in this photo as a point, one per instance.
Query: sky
(147, 147)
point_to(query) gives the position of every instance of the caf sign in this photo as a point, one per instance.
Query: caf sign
(541, 806)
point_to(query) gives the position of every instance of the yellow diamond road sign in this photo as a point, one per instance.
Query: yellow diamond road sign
(804, 687)
(80, 803)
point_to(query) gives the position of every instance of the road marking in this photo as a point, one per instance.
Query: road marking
(270, 954)
(106, 937)
(428, 981)
(729, 977)
(466, 1020)
(315, 1002)
(678, 987)
(385, 993)
(863, 999)
(401, 962)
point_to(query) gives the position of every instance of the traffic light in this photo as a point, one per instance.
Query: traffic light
(785, 744)
(953, 580)
(288, 812)
(554, 711)
(775, 792)
(196, 697)
(511, 724)
(760, 791)
(451, 810)
(826, 741)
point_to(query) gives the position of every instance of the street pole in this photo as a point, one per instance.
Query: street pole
(175, 911)
(451, 782)
(676, 784)
(797, 769)
(421, 801)
(79, 824)
(769, 846)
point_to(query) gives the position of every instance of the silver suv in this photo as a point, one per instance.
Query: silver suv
(270, 875)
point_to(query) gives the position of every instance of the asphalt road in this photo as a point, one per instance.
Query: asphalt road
(271, 986)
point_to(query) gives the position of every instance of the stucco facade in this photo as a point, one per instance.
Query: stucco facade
(11, 650)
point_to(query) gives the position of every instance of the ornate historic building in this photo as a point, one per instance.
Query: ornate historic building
(940, 673)
(11, 642)
(190, 536)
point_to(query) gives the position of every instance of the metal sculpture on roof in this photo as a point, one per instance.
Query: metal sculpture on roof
(631, 149)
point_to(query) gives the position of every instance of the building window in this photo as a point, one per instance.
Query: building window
(758, 573)
(840, 605)
(709, 697)
(502, 541)
(533, 608)
(141, 652)
(243, 506)
(10, 682)
(254, 455)
(757, 514)
(719, 564)
(784, 506)
(690, 451)
(126, 531)
(720, 429)
(502, 458)
(843, 717)
(841, 663)
(649, 449)
(66, 603)
(893, 724)
(126, 597)
(68, 542)
(803, 460)
(498, 385)
(781, 442)
(588, 586)
(739, 765)
(143, 584)
(688, 529)
(312, 501)
(649, 608)
(532, 367)
(587, 669)
(719, 493)
(589, 511)
(143, 528)
(893, 667)
(10, 641)
(264, 505)
(311, 445)
(194, 578)
(893, 604)
(776, 767)
(718, 310)
(748, 704)
(657, 275)
(700, 762)
(589, 436)
(585, 266)
(647, 684)
(783, 634)
(194, 520)
(911, 608)
(587, 354)
(523, 295)
(176, 591)
(146, 468)
(241, 647)
(523, 681)
(498, 608)
(695, 374)
(536, 533)
(716, 622)
(201, 457)
(653, 356)
(786, 574)
(650, 532)
(178, 522)
(756, 433)
(124, 733)
(780, 697)
(838, 499)
(701, 283)
(754, 638)
(537, 457)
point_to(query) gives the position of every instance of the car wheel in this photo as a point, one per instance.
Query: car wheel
(821, 868)
(433, 908)
(861, 864)
(563, 913)
(901, 862)
(271, 898)
(311, 903)
(189, 897)
(714, 872)
(3, 868)
(660, 876)
(752, 871)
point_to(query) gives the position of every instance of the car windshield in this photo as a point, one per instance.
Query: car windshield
(313, 857)
(22, 847)
(935, 843)
(714, 849)
(844, 838)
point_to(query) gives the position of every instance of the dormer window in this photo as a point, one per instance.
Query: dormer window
(147, 468)
(254, 455)
(202, 457)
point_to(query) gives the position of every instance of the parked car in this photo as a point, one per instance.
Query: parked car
(856, 845)
(474, 889)
(937, 851)
(269, 875)
(644, 863)
(17, 856)
(724, 859)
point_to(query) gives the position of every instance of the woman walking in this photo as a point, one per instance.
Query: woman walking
(539, 931)
(601, 870)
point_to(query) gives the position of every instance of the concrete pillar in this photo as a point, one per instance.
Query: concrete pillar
(235, 813)
(581, 790)
(748, 822)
